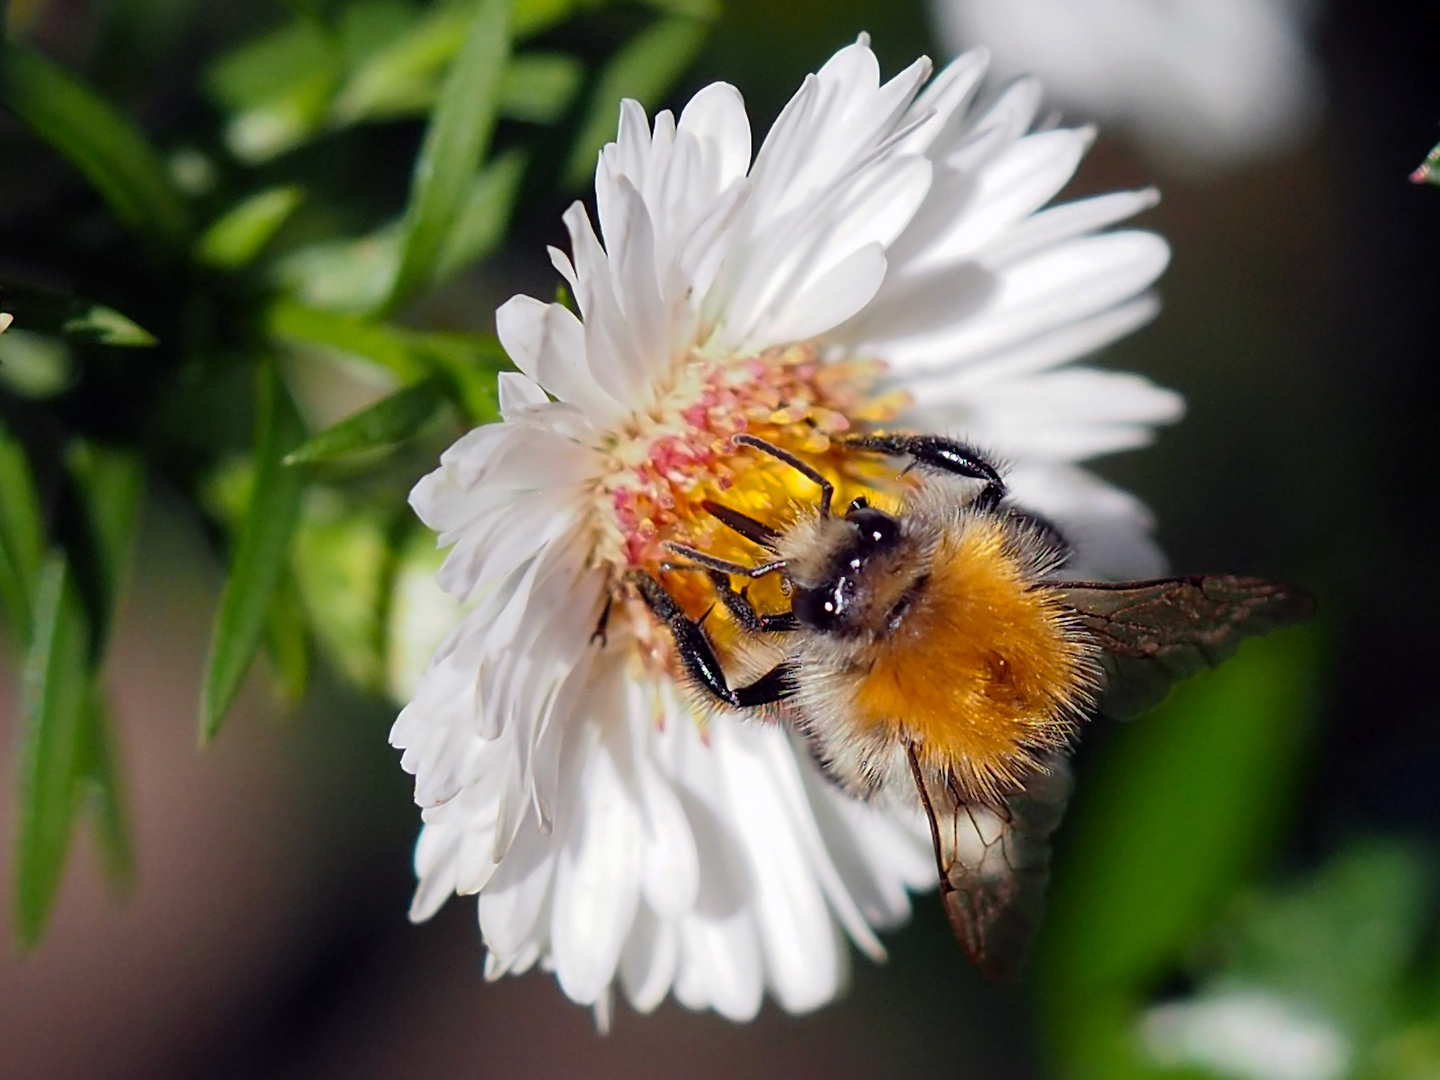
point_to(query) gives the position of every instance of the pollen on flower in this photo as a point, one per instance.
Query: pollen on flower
(672, 457)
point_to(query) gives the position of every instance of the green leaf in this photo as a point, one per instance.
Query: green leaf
(352, 275)
(278, 89)
(49, 312)
(106, 326)
(22, 535)
(259, 557)
(531, 17)
(264, 68)
(106, 146)
(404, 77)
(483, 220)
(539, 87)
(1179, 811)
(35, 366)
(287, 641)
(390, 420)
(644, 69)
(341, 562)
(55, 693)
(111, 484)
(241, 233)
(455, 143)
(390, 347)
(469, 361)
(100, 780)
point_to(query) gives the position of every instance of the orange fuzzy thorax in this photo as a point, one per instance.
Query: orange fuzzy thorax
(985, 673)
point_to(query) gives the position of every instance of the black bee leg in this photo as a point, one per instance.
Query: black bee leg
(599, 634)
(699, 657)
(941, 455)
(744, 613)
(710, 562)
(827, 489)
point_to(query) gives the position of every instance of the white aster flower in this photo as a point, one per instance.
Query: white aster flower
(885, 258)
(1202, 81)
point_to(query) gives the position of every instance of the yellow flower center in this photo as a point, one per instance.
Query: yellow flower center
(667, 461)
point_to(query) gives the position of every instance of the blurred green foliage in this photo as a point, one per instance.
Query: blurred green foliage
(244, 284)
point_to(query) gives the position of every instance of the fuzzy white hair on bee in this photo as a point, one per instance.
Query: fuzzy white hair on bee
(930, 655)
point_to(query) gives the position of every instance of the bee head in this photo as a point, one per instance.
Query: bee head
(839, 599)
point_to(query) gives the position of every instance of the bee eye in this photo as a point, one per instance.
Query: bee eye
(857, 503)
(819, 609)
(877, 529)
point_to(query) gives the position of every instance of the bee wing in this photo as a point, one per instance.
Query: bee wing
(995, 862)
(1156, 633)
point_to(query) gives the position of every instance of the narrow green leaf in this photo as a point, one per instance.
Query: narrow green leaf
(277, 89)
(287, 641)
(341, 562)
(111, 484)
(100, 779)
(538, 87)
(107, 327)
(48, 312)
(22, 535)
(99, 140)
(455, 143)
(709, 10)
(259, 556)
(531, 17)
(55, 689)
(482, 223)
(470, 361)
(404, 77)
(390, 420)
(390, 347)
(354, 276)
(644, 69)
(241, 233)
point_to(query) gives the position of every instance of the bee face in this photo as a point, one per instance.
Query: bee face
(836, 601)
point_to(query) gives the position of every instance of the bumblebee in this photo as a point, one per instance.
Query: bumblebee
(932, 655)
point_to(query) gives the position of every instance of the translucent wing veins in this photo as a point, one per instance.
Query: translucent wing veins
(994, 862)
(1155, 633)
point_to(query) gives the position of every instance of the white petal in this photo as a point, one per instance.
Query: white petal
(511, 903)
(597, 884)
(844, 290)
(547, 342)
(1109, 529)
(518, 395)
(436, 853)
(1038, 295)
(720, 966)
(803, 965)
(649, 960)
(716, 118)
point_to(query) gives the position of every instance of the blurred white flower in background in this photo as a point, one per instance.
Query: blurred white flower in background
(1206, 83)
(886, 258)
(1246, 1034)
